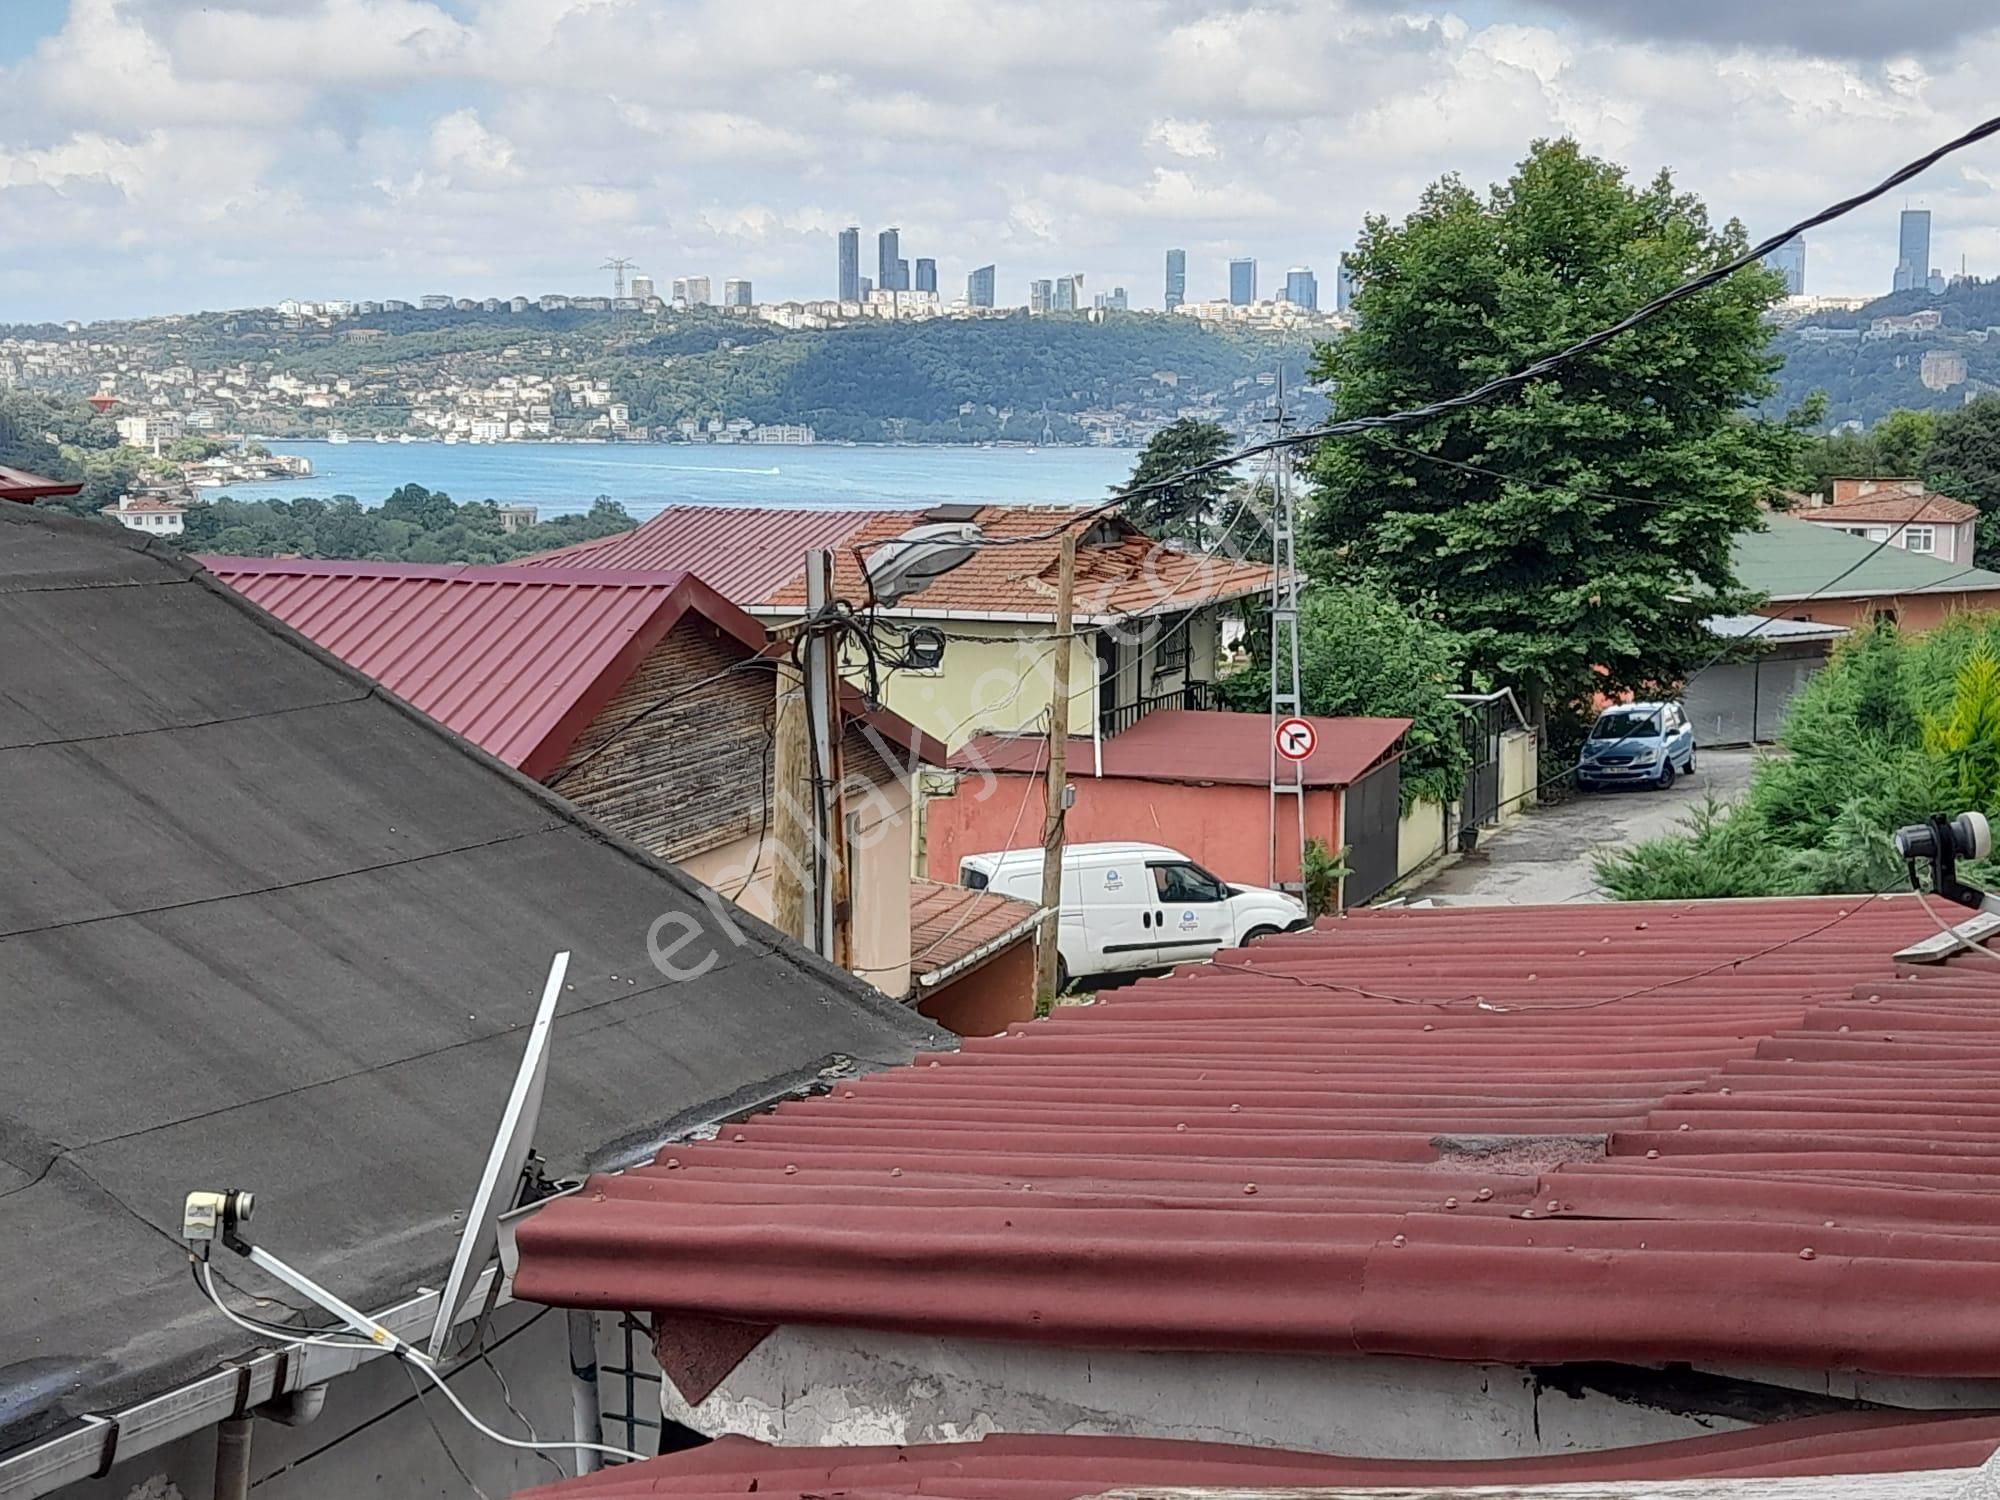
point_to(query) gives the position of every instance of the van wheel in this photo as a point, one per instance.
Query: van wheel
(1255, 934)
(1062, 977)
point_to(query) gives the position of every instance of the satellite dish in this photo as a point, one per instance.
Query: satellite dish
(500, 1182)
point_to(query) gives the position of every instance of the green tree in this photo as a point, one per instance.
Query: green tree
(1555, 586)
(425, 509)
(1363, 654)
(1191, 509)
(192, 450)
(1903, 442)
(1964, 463)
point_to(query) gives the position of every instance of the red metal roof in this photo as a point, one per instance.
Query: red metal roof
(1036, 1466)
(755, 555)
(951, 927)
(20, 484)
(745, 553)
(1179, 744)
(517, 660)
(1716, 1131)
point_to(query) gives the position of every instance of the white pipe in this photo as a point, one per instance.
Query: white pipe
(586, 1416)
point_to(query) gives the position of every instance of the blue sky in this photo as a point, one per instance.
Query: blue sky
(163, 155)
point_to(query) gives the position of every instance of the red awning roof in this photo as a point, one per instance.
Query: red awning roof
(1033, 1466)
(756, 556)
(1201, 745)
(518, 660)
(953, 929)
(20, 484)
(1715, 1132)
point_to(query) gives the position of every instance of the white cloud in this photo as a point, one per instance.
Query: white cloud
(516, 142)
(1192, 139)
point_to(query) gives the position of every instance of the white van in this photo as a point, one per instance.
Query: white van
(1136, 906)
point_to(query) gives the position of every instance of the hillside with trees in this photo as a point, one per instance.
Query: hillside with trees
(1865, 379)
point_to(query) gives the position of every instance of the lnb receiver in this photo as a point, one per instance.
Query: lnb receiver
(212, 1215)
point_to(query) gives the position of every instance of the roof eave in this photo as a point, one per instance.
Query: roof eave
(992, 948)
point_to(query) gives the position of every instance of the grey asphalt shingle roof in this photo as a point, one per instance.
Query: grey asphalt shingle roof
(263, 925)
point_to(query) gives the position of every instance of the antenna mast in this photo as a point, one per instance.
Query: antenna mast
(1288, 777)
(618, 266)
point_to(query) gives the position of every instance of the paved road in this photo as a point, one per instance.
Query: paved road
(1545, 855)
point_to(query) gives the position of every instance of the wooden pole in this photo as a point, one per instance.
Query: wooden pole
(1058, 777)
(828, 807)
(791, 810)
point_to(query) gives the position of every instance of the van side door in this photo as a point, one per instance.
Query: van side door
(1117, 900)
(1191, 915)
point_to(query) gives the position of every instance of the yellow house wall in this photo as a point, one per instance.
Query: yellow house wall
(1520, 772)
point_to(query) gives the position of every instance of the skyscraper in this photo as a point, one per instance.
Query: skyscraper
(1176, 278)
(696, 290)
(850, 265)
(1343, 286)
(1041, 296)
(888, 258)
(1913, 252)
(1111, 301)
(642, 288)
(1069, 293)
(1302, 288)
(903, 274)
(1243, 280)
(1789, 261)
(735, 293)
(926, 274)
(979, 287)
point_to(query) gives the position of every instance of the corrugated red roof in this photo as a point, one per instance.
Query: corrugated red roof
(1179, 744)
(1035, 1466)
(950, 927)
(756, 556)
(20, 484)
(1718, 1131)
(745, 553)
(518, 660)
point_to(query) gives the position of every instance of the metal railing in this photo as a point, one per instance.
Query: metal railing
(1194, 695)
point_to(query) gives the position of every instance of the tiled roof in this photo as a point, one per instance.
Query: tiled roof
(1039, 1466)
(1793, 559)
(1177, 744)
(142, 504)
(745, 553)
(20, 484)
(1940, 510)
(952, 929)
(1707, 1132)
(756, 557)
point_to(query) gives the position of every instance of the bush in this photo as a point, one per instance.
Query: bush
(1894, 729)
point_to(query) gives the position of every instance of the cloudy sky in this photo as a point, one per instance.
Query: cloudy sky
(163, 155)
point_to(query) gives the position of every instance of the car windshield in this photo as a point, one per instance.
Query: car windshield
(1628, 725)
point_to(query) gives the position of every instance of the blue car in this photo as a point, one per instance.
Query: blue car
(1637, 744)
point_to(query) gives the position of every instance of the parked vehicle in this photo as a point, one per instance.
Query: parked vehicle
(1637, 744)
(1127, 907)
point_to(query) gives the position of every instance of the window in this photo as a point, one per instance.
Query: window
(1180, 884)
(1920, 538)
(1171, 654)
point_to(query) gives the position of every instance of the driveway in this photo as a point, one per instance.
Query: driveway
(1545, 855)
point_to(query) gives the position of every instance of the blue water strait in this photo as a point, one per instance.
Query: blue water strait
(642, 477)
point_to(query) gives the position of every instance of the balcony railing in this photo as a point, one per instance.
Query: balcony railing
(1193, 695)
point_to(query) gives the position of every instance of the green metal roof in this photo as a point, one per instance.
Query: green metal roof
(1792, 559)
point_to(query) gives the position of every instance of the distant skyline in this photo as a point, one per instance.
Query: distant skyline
(166, 155)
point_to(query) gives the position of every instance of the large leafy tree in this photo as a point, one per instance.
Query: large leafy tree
(1588, 534)
(1190, 509)
(1964, 462)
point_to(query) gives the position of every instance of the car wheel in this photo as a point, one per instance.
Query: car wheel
(1062, 976)
(1256, 933)
(1666, 775)
(1689, 767)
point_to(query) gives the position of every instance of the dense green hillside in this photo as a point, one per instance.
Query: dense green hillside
(1864, 380)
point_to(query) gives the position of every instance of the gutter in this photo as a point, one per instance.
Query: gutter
(234, 1390)
(934, 977)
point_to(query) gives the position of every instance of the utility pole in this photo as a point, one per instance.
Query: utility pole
(1288, 777)
(1055, 791)
(618, 266)
(792, 906)
(830, 921)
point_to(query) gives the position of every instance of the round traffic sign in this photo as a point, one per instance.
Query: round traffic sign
(1296, 738)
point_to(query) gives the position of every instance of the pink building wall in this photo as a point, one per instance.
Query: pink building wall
(1224, 828)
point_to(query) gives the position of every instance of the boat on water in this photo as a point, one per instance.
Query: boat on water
(381, 437)
(407, 438)
(451, 437)
(336, 436)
